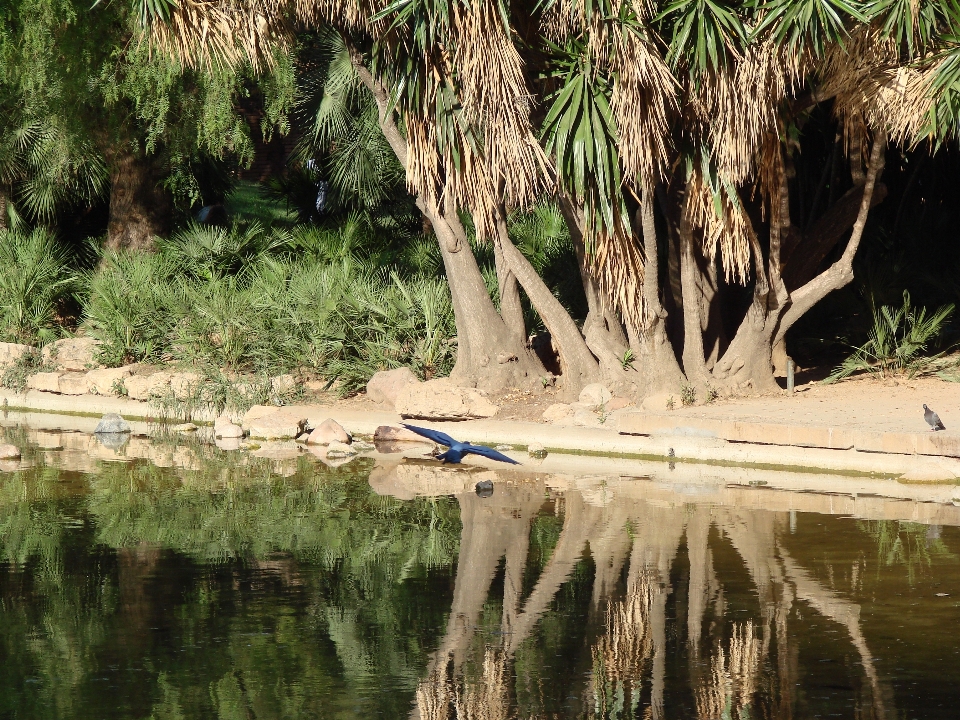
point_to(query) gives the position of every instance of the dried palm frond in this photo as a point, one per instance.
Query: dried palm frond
(714, 206)
(644, 96)
(487, 697)
(433, 697)
(205, 33)
(617, 266)
(492, 89)
(562, 19)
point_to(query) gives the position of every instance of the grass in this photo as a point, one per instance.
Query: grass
(249, 201)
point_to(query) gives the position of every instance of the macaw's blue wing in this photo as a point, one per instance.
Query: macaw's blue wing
(489, 453)
(435, 435)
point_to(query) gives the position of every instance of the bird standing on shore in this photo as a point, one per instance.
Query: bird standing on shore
(456, 450)
(933, 420)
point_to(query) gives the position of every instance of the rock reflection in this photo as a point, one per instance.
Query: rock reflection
(738, 666)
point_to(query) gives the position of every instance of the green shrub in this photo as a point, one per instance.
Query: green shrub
(35, 280)
(897, 342)
(128, 306)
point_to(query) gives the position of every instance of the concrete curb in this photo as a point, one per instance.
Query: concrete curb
(675, 444)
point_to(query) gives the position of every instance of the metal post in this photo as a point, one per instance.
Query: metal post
(791, 366)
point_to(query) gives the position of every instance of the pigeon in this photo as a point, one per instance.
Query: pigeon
(456, 449)
(933, 420)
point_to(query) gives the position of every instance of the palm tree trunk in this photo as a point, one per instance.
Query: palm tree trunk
(140, 209)
(694, 365)
(489, 356)
(510, 308)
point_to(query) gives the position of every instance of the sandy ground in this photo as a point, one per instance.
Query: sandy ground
(864, 403)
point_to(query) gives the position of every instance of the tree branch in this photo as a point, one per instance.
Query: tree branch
(841, 272)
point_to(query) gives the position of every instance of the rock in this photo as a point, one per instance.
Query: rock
(339, 450)
(75, 354)
(113, 441)
(184, 385)
(45, 382)
(145, 387)
(112, 423)
(283, 384)
(385, 386)
(361, 446)
(557, 412)
(595, 394)
(617, 403)
(661, 402)
(484, 488)
(105, 381)
(9, 452)
(227, 431)
(273, 427)
(11, 352)
(73, 383)
(327, 432)
(442, 400)
(586, 418)
(257, 412)
(536, 450)
(388, 433)
(188, 427)
(227, 443)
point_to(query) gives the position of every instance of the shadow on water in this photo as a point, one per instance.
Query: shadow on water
(215, 587)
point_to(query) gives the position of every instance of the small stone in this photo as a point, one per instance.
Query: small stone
(557, 412)
(595, 394)
(112, 423)
(327, 432)
(443, 400)
(536, 450)
(9, 452)
(188, 427)
(228, 431)
(45, 382)
(385, 386)
(338, 450)
(484, 488)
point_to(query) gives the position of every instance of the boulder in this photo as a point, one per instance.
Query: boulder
(442, 400)
(661, 402)
(105, 381)
(9, 452)
(283, 384)
(536, 450)
(145, 387)
(388, 433)
(275, 426)
(74, 354)
(385, 386)
(227, 443)
(45, 382)
(329, 431)
(74, 383)
(586, 418)
(11, 352)
(111, 424)
(557, 412)
(595, 394)
(228, 431)
(184, 384)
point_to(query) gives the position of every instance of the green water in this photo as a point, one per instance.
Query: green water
(293, 590)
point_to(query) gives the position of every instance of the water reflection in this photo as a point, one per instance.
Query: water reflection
(741, 658)
(216, 587)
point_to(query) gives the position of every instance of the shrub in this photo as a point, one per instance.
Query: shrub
(35, 280)
(897, 341)
(128, 306)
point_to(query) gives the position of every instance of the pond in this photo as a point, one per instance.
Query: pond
(228, 586)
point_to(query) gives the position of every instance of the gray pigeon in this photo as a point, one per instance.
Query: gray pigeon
(933, 420)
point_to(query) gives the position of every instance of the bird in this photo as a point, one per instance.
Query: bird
(933, 420)
(456, 450)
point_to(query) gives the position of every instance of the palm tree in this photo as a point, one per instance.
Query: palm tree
(666, 130)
